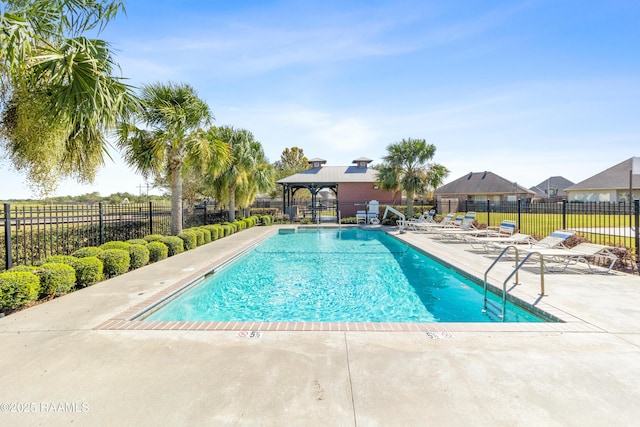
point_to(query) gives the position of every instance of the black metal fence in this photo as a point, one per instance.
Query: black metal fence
(606, 223)
(32, 232)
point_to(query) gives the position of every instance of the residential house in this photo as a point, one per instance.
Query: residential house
(611, 185)
(480, 187)
(552, 188)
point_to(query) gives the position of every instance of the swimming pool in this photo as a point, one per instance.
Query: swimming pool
(331, 275)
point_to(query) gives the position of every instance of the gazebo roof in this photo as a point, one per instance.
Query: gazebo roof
(331, 175)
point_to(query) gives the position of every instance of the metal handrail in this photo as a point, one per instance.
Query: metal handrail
(515, 271)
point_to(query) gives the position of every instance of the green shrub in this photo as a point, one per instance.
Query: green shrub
(88, 251)
(17, 289)
(227, 229)
(174, 243)
(216, 231)
(139, 256)
(153, 237)
(240, 224)
(207, 235)
(157, 251)
(233, 228)
(199, 235)
(137, 241)
(116, 261)
(89, 270)
(55, 278)
(29, 268)
(115, 244)
(190, 239)
(64, 259)
(266, 219)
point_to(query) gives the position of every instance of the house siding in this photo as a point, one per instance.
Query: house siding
(354, 195)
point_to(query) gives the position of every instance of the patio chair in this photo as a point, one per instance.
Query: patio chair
(492, 243)
(425, 226)
(554, 240)
(579, 253)
(505, 229)
(466, 226)
(425, 218)
(370, 216)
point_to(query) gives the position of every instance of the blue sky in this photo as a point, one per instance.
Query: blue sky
(525, 89)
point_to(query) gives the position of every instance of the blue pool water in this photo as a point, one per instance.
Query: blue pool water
(349, 275)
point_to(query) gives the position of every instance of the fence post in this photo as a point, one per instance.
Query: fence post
(488, 213)
(7, 237)
(204, 215)
(519, 211)
(636, 214)
(101, 222)
(150, 217)
(564, 214)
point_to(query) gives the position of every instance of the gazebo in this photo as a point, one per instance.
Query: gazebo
(353, 186)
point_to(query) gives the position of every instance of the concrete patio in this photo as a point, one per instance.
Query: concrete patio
(61, 363)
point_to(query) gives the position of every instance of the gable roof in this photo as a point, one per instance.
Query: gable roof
(332, 175)
(614, 178)
(482, 183)
(557, 182)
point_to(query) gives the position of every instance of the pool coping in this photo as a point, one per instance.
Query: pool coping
(130, 318)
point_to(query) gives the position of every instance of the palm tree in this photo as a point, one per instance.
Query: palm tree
(173, 115)
(246, 174)
(58, 91)
(405, 168)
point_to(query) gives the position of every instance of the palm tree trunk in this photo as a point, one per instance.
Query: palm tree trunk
(410, 195)
(176, 198)
(232, 203)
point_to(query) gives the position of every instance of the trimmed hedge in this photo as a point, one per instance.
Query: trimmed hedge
(199, 235)
(266, 219)
(89, 270)
(153, 237)
(88, 251)
(115, 244)
(137, 241)
(56, 278)
(207, 235)
(116, 261)
(157, 251)
(17, 289)
(174, 243)
(139, 256)
(190, 239)
(227, 229)
(216, 231)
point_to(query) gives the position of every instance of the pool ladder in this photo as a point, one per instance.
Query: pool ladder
(514, 272)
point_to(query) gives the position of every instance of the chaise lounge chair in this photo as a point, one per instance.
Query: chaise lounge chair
(493, 243)
(465, 227)
(447, 221)
(579, 253)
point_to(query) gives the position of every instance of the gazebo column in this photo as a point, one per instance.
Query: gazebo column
(314, 191)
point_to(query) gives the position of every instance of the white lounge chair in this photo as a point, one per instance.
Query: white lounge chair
(505, 229)
(466, 226)
(579, 253)
(493, 243)
(447, 221)
(425, 218)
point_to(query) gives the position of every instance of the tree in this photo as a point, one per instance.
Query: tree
(173, 116)
(245, 175)
(292, 160)
(435, 177)
(59, 95)
(405, 168)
